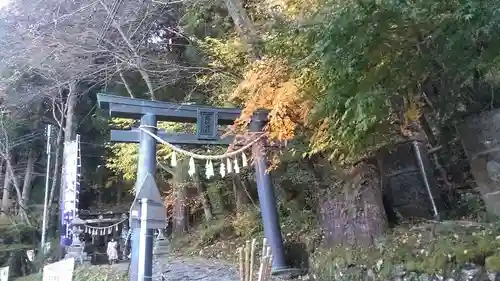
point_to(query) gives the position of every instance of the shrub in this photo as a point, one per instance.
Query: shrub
(247, 222)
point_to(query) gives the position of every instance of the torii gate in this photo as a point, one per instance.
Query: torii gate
(207, 120)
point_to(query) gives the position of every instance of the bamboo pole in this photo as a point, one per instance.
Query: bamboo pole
(268, 261)
(269, 266)
(252, 259)
(264, 247)
(262, 269)
(247, 261)
(242, 268)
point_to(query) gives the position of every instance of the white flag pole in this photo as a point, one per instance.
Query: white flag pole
(46, 196)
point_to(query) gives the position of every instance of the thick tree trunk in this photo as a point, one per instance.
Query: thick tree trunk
(32, 156)
(69, 126)
(69, 135)
(353, 213)
(205, 200)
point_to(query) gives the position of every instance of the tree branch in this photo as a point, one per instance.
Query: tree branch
(126, 85)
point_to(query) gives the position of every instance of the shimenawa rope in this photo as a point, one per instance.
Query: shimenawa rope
(200, 156)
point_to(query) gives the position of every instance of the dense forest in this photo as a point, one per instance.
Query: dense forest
(349, 86)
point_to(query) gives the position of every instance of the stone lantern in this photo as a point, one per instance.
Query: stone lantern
(76, 249)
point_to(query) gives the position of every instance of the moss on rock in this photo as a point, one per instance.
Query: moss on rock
(492, 263)
(436, 248)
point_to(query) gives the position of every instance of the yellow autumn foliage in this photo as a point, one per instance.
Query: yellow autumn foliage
(268, 84)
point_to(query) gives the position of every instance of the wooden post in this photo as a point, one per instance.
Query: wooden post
(247, 262)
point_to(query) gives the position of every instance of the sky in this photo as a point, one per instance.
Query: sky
(3, 3)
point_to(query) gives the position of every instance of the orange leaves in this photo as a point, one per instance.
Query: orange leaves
(269, 85)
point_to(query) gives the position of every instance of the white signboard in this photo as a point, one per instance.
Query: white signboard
(59, 271)
(46, 247)
(31, 255)
(4, 273)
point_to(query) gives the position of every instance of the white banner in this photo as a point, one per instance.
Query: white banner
(59, 271)
(69, 202)
(4, 273)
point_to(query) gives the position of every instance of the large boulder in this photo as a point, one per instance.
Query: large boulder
(480, 136)
(408, 192)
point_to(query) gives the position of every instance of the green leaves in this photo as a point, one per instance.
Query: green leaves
(122, 157)
(368, 55)
(359, 62)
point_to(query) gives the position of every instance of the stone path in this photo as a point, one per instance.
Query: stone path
(190, 269)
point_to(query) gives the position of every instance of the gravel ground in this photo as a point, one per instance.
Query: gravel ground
(190, 269)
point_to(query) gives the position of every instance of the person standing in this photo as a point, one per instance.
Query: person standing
(123, 243)
(112, 251)
(128, 244)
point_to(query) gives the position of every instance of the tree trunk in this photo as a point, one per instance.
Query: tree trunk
(244, 25)
(99, 196)
(118, 194)
(224, 206)
(205, 200)
(69, 126)
(69, 133)
(239, 192)
(57, 168)
(17, 187)
(28, 177)
(180, 217)
(180, 189)
(6, 202)
(353, 213)
(56, 180)
(138, 59)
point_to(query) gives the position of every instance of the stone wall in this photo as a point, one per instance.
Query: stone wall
(468, 272)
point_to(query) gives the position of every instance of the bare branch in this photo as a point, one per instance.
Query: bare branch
(126, 85)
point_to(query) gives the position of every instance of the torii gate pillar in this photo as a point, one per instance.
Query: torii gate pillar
(141, 263)
(267, 198)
